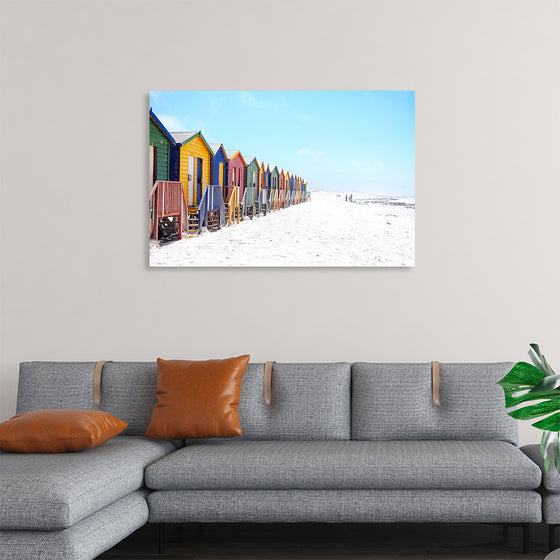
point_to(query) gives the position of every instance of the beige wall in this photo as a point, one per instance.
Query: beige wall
(75, 283)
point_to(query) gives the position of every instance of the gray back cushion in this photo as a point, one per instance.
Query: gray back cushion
(309, 401)
(44, 385)
(127, 389)
(394, 401)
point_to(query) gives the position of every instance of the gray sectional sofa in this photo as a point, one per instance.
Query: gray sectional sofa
(340, 442)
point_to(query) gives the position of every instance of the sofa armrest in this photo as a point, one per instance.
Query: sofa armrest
(551, 479)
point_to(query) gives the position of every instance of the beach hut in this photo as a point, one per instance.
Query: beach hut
(190, 161)
(274, 185)
(266, 176)
(291, 192)
(237, 170)
(250, 197)
(262, 192)
(261, 176)
(281, 191)
(166, 202)
(266, 179)
(219, 165)
(298, 190)
(161, 141)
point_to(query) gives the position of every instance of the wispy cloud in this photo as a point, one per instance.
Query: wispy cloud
(176, 124)
(198, 125)
(173, 123)
(317, 156)
(247, 98)
(216, 104)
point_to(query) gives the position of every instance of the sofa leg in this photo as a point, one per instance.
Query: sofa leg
(161, 538)
(525, 538)
(551, 544)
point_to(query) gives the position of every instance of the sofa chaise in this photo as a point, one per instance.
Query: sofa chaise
(339, 442)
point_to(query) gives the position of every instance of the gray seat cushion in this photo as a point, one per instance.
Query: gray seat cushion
(85, 540)
(345, 465)
(551, 508)
(54, 491)
(551, 479)
(550, 489)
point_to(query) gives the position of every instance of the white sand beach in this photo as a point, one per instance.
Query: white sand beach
(326, 231)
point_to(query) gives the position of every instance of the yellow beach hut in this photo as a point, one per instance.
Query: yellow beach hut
(190, 164)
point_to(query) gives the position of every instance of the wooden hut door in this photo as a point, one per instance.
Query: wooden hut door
(153, 164)
(221, 174)
(190, 200)
(198, 179)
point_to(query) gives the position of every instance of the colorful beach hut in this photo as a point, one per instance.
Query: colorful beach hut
(161, 141)
(261, 176)
(250, 197)
(262, 193)
(219, 165)
(237, 171)
(166, 201)
(190, 163)
(274, 185)
(266, 176)
(291, 195)
(281, 189)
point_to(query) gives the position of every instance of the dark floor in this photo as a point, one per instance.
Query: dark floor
(329, 542)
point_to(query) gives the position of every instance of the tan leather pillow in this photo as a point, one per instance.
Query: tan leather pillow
(58, 431)
(197, 399)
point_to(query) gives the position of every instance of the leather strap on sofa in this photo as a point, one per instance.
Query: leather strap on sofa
(435, 383)
(97, 381)
(268, 383)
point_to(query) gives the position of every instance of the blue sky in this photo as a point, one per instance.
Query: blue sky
(337, 140)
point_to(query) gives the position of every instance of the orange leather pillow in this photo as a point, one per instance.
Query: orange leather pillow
(58, 431)
(197, 399)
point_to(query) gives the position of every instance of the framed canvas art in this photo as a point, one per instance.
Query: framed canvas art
(282, 178)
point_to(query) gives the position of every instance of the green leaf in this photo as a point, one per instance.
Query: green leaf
(536, 410)
(547, 367)
(526, 383)
(514, 397)
(536, 361)
(547, 437)
(556, 451)
(550, 423)
(547, 384)
(541, 362)
(522, 375)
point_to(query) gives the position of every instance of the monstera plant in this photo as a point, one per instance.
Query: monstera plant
(533, 391)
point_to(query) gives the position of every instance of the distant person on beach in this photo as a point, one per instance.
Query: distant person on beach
(349, 198)
(346, 197)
